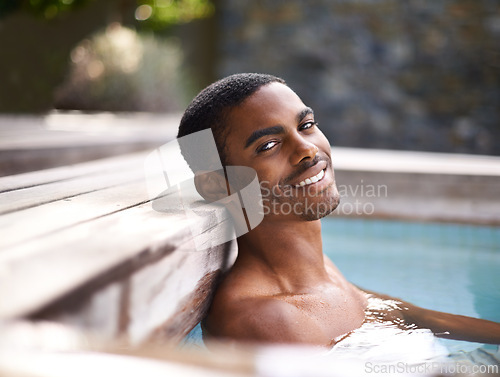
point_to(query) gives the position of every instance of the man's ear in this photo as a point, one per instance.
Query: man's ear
(212, 185)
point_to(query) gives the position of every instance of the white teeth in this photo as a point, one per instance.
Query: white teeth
(314, 179)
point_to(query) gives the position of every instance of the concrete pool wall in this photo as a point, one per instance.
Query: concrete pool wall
(418, 185)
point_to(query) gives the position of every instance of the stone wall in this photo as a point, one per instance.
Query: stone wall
(421, 75)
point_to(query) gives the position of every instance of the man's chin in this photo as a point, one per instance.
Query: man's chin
(323, 209)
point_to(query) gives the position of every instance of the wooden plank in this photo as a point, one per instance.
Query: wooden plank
(34, 143)
(47, 139)
(162, 300)
(33, 159)
(26, 180)
(190, 310)
(20, 199)
(24, 225)
(60, 262)
(60, 129)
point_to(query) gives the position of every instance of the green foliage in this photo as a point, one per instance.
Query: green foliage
(154, 14)
(158, 14)
(47, 9)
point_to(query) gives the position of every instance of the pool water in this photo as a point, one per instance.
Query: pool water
(447, 267)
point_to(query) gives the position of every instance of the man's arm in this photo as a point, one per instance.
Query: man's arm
(446, 325)
(454, 326)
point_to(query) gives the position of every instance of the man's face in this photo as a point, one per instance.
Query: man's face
(273, 132)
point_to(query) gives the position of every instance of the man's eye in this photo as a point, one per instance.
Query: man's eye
(308, 125)
(266, 146)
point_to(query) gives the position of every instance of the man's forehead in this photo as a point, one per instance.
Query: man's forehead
(270, 105)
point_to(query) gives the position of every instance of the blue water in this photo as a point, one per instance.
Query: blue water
(447, 267)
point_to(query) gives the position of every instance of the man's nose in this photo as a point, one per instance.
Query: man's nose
(302, 150)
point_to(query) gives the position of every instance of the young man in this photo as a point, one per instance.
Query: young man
(282, 288)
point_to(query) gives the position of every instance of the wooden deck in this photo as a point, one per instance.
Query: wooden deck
(30, 143)
(81, 245)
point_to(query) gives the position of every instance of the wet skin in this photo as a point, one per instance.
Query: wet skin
(281, 287)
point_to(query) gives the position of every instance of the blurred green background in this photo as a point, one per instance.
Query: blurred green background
(415, 75)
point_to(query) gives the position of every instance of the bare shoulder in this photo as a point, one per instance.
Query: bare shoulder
(261, 319)
(239, 314)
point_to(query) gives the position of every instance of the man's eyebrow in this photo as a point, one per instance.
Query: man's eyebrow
(304, 113)
(264, 132)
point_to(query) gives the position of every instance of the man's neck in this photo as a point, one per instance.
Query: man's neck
(288, 251)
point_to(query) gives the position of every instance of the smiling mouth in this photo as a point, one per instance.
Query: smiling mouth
(315, 178)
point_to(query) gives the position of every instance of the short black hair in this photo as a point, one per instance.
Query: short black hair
(210, 107)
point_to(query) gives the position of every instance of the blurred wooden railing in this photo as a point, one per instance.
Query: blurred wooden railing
(82, 245)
